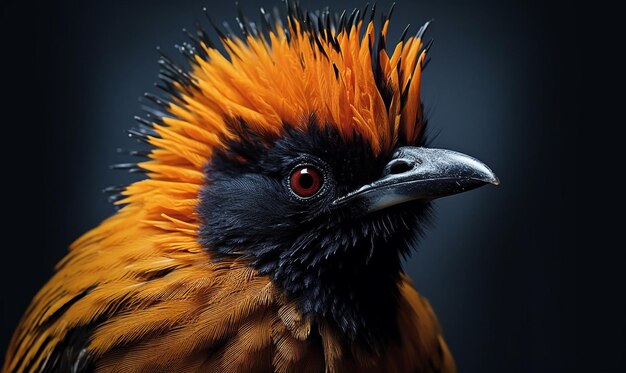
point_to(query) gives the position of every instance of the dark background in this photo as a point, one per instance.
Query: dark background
(499, 267)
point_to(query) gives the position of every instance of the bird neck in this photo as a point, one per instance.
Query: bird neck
(360, 299)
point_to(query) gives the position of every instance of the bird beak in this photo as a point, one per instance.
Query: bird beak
(420, 174)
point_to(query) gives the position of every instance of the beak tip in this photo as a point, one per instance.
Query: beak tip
(491, 178)
(494, 180)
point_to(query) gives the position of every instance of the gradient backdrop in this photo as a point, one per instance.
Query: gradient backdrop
(495, 266)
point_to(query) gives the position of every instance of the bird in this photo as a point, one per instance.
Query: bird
(288, 174)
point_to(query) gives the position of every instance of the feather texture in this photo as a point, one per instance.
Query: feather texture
(139, 293)
(167, 306)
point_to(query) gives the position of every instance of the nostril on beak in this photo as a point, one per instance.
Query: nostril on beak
(399, 166)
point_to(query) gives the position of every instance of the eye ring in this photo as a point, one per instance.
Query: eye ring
(305, 181)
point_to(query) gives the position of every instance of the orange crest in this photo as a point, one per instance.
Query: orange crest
(335, 68)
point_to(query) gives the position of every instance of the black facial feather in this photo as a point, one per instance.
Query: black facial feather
(336, 263)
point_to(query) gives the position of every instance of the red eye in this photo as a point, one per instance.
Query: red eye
(305, 181)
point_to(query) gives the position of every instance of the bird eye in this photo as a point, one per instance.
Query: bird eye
(305, 181)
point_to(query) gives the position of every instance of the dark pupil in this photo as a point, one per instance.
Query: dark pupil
(306, 180)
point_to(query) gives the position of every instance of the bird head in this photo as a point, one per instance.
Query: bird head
(298, 147)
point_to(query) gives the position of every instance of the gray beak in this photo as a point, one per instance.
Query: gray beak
(420, 174)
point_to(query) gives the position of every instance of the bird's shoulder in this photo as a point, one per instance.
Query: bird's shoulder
(139, 289)
(421, 339)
